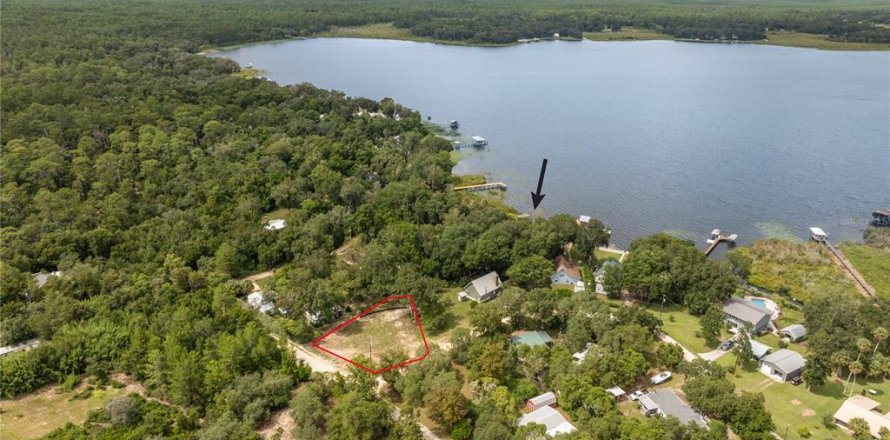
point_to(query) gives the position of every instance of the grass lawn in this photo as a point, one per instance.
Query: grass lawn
(815, 41)
(805, 268)
(873, 263)
(267, 283)
(279, 213)
(627, 33)
(589, 282)
(793, 406)
(683, 327)
(35, 415)
(602, 255)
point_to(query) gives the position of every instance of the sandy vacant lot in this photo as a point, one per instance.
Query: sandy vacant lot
(378, 333)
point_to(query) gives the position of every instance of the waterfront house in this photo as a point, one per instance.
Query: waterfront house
(782, 365)
(861, 407)
(554, 422)
(565, 272)
(600, 275)
(740, 312)
(483, 288)
(666, 403)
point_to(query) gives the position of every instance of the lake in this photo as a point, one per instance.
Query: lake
(652, 136)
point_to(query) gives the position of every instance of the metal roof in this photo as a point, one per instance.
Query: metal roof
(794, 331)
(759, 349)
(553, 421)
(544, 399)
(532, 338)
(745, 310)
(670, 405)
(487, 283)
(786, 361)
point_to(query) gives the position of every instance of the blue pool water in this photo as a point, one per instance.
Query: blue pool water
(761, 303)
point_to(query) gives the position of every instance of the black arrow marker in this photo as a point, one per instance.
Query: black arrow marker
(537, 196)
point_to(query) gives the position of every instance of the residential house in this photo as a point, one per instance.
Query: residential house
(782, 365)
(259, 302)
(600, 275)
(863, 408)
(667, 404)
(566, 272)
(794, 332)
(483, 288)
(581, 355)
(546, 399)
(532, 339)
(554, 422)
(740, 312)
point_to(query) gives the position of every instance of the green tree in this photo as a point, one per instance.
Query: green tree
(815, 373)
(712, 325)
(446, 403)
(743, 351)
(530, 272)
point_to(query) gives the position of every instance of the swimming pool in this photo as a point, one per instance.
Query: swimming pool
(761, 303)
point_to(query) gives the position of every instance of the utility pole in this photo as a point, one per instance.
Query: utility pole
(370, 356)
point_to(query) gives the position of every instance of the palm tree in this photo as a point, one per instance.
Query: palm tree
(855, 368)
(863, 345)
(859, 427)
(879, 334)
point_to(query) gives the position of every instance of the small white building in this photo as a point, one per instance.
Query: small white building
(546, 399)
(554, 422)
(616, 392)
(258, 301)
(863, 408)
(275, 224)
(818, 234)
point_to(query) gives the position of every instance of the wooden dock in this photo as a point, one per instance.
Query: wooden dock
(483, 187)
(717, 239)
(857, 277)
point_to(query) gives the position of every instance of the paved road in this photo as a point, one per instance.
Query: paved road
(712, 355)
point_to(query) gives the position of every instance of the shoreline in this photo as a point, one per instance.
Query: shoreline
(779, 39)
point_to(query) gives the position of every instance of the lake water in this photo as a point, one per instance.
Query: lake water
(647, 136)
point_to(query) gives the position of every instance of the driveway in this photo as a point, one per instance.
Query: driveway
(687, 355)
(712, 355)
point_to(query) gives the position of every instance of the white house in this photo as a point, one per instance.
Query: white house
(565, 272)
(863, 408)
(554, 422)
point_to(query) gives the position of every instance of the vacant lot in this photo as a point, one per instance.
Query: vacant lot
(35, 415)
(627, 34)
(872, 263)
(378, 333)
(805, 268)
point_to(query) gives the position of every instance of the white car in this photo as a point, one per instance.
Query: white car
(637, 394)
(661, 378)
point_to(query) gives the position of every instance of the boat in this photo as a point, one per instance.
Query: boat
(454, 125)
(479, 141)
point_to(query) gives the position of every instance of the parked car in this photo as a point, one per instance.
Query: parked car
(660, 378)
(727, 345)
(637, 394)
(796, 381)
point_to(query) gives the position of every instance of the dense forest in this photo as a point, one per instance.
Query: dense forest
(142, 172)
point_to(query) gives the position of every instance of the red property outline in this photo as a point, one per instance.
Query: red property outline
(316, 343)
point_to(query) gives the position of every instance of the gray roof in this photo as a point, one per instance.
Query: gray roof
(759, 349)
(544, 399)
(479, 287)
(745, 310)
(670, 405)
(786, 361)
(550, 418)
(794, 331)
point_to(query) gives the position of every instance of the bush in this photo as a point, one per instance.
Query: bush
(782, 343)
(828, 421)
(803, 432)
(462, 430)
(122, 411)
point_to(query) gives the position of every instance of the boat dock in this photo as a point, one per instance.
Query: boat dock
(817, 234)
(483, 187)
(717, 236)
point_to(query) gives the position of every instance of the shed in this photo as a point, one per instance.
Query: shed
(782, 365)
(275, 224)
(546, 399)
(616, 392)
(484, 288)
(818, 234)
(759, 349)
(554, 422)
(794, 332)
(740, 312)
(532, 339)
